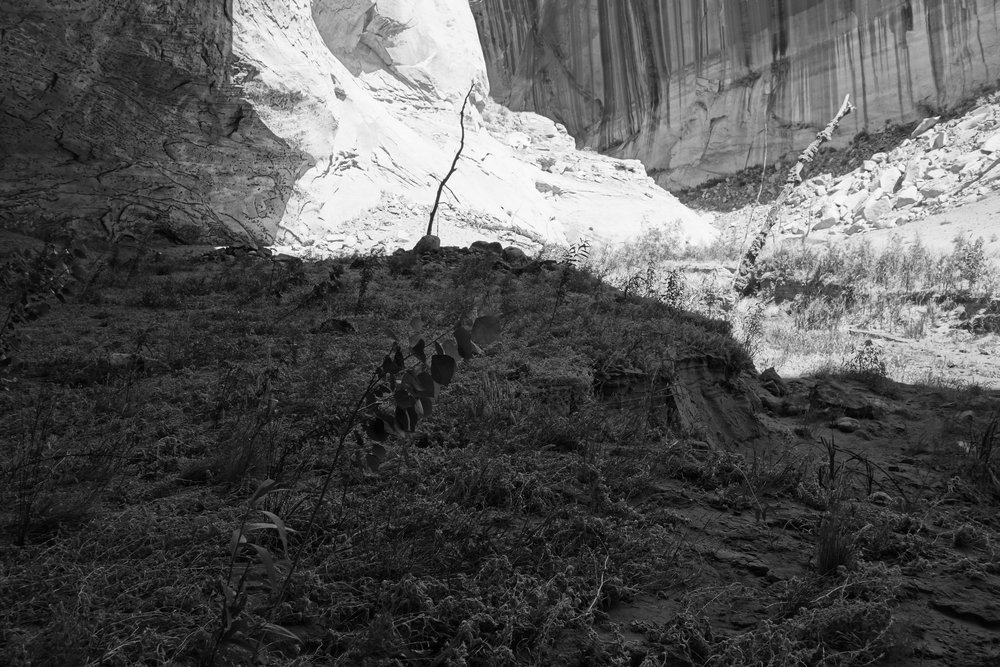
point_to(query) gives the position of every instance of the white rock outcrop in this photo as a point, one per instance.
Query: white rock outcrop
(378, 88)
(404, 68)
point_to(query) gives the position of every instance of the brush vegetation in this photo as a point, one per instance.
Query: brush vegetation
(238, 458)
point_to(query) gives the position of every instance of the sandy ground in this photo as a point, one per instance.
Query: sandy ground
(981, 218)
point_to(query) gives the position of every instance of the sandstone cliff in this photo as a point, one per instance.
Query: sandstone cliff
(317, 123)
(119, 115)
(702, 88)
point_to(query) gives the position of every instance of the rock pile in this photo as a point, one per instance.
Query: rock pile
(939, 164)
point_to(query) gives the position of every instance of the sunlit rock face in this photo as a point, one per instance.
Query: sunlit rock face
(119, 117)
(325, 124)
(703, 88)
(372, 92)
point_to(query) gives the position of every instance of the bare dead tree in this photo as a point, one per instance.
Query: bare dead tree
(454, 163)
(749, 261)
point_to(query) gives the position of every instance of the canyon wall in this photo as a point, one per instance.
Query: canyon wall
(322, 125)
(120, 117)
(707, 87)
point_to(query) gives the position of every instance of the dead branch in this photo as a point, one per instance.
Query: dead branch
(743, 275)
(454, 163)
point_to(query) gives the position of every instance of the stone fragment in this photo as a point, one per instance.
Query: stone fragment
(487, 246)
(844, 185)
(890, 179)
(851, 201)
(936, 188)
(829, 217)
(915, 171)
(970, 168)
(876, 209)
(924, 125)
(974, 120)
(855, 229)
(771, 381)
(429, 243)
(848, 424)
(992, 144)
(518, 140)
(908, 196)
(869, 165)
(940, 140)
(834, 396)
(514, 256)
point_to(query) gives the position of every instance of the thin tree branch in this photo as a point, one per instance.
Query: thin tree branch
(454, 163)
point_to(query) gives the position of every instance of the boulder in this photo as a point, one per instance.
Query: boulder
(971, 168)
(487, 246)
(833, 396)
(915, 171)
(847, 424)
(924, 125)
(850, 201)
(771, 381)
(429, 243)
(876, 209)
(890, 179)
(908, 196)
(974, 120)
(992, 143)
(514, 256)
(843, 186)
(936, 188)
(829, 217)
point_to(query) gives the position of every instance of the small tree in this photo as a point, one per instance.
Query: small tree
(454, 162)
(744, 275)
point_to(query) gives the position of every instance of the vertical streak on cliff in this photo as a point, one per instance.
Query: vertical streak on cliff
(681, 51)
(653, 76)
(861, 66)
(933, 12)
(979, 39)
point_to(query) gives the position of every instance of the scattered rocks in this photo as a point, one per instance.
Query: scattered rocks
(833, 396)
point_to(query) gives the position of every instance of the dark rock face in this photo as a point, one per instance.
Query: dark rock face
(708, 87)
(120, 117)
